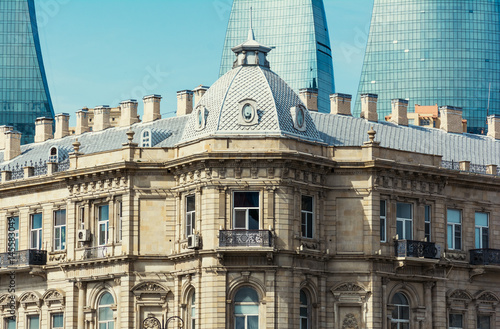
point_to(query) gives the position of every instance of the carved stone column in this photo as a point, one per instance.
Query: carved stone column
(428, 302)
(81, 303)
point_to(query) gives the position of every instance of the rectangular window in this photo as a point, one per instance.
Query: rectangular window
(427, 223)
(119, 221)
(455, 321)
(383, 221)
(10, 324)
(57, 321)
(36, 231)
(13, 234)
(81, 218)
(483, 322)
(307, 216)
(60, 229)
(246, 211)
(481, 231)
(34, 322)
(404, 221)
(454, 229)
(103, 224)
(190, 214)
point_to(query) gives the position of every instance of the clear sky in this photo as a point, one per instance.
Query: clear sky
(101, 52)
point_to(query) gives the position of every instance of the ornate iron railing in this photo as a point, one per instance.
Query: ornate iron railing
(96, 252)
(485, 256)
(450, 165)
(63, 165)
(474, 168)
(245, 238)
(411, 248)
(17, 174)
(23, 257)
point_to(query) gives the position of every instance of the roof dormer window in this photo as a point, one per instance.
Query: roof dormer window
(200, 117)
(53, 155)
(146, 138)
(299, 117)
(248, 112)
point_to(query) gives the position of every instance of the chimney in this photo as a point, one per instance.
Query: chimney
(82, 121)
(184, 102)
(128, 111)
(198, 93)
(151, 108)
(3, 130)
(309, 96)
(12, 145)
(369, 107)
(101, 118)
(399, 112)
(493, 126)
(43, 129)
(340, 104)
(62, 125)
(451, 119)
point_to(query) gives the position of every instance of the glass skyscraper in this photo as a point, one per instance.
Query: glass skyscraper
(435, 52)
(298, 33)
(24, 93)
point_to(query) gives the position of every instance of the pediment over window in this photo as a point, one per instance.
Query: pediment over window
(30, 299)
(350, 292)
(459, 299)
(150, 290)
(53, 296)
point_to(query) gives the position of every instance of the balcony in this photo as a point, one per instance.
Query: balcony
(245, 238)
(24, 257)
(485, 256)
(97, 252)
(420, 249)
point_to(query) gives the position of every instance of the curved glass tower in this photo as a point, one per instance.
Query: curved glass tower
(298, 33)
(24, 93)
(435, 52)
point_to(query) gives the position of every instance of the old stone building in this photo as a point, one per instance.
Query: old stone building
(249, 211)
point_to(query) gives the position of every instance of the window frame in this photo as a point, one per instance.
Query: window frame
(405, 222)
(479, 315)
(307, 307)
(247, 210)
(383, 221)
(110, 306)
(483, 231)
(7, 320)
(399, 307)
(30, 318)
(60, 228)
(449, 320)
(146, 140)
(192, 310)
(54, 156)
(52, 315)
(306, 223)
(119, 221)
(428, 222)
(246, 316)
(454, 226)
(102, 222)
(38, 231)
(190, 215)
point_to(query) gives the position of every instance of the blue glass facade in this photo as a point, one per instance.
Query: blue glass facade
(444, 52)
(298, 33)
(24, 93)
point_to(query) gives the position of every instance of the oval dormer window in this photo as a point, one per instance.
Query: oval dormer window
(201, 115)
(300, 116)
(247, 112)
(53, 155)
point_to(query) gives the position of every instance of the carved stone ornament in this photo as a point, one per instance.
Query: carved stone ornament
(460, 294)
(349, 287)
(150, 288)
(350, 322)
(488, 297)
(30, 298)
(53, 296)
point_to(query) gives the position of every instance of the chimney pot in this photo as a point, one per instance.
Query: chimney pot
(151, 108)
(369, 107)
(399, 112)
(62, 125)
(184, 102)
(43, 129)
(82, 121)
(12, 144)
(340, 104)
(309, 96)
(128, 111)
(451, 119)
(101, 118)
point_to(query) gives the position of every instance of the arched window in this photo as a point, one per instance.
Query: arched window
(53, 154)
(305, 311)
(246, 309)
(104, 312)
(401, 312)
(192, 310)
(146, 138)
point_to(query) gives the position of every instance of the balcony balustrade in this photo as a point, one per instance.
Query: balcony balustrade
(23, 257)
(411, 248)
(245, 238)
(485, 256)
(96, 252)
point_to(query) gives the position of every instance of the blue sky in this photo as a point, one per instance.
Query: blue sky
(100, 52)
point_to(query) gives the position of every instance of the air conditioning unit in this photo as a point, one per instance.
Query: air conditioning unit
(193, 241)
(83, 235)
(438, 253)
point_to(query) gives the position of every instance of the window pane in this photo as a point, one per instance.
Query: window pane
(102, 233)
(454, 216)
(253, 219)
(485, 238)
(36, 221)
(190, 204)
(34, 322)
(399, 229)
(408, 230)
(246, 199)
(382, 208)
(240, 219)
(103, 213)
(106, 299)
(458, 237)
(456, 320)
(449, 236)
(253, 322)
(404, 210)
(246, 295)
(483, 322)
(60, 217)
(240, 322)
(481, 219)
(11, 324)
(477, 238)
(58, 320)
(246, 309)
(105, 313)
(382, 229)
(307, 203)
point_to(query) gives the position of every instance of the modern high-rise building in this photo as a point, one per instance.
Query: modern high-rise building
(24, 93)
(434, 51)
(297, 32)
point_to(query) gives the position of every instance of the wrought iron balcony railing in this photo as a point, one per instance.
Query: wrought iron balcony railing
(245, 238)
(485, 256)
(412, 248)
(24, 257)
(96, 252)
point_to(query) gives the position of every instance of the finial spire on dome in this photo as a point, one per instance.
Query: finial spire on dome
(251, 52)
